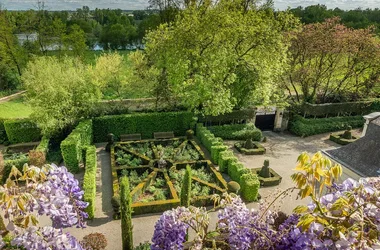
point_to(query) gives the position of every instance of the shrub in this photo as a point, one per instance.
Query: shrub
(18, 163)
(250, 185)
(1, 164)
(215, 151)
(72, 146)
(126, 214)
(233, 187)
(143, 246)
(94, 241)
(22, 130)
(237, 132)
(235, 170)
(37, 158)
(144, 123)
(89, 181)
(3, 134)
(44, 145)
(224, 160)
(306, 127)
(186, 188)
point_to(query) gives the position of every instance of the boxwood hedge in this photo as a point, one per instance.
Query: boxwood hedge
(22, 130)
(3, 134)
(306, 127)
(72, 147)
(249, 187)
(144, 123)
(89, 181)
(237, 132)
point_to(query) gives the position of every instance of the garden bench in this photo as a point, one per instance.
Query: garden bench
(130, 137)
(163, 135)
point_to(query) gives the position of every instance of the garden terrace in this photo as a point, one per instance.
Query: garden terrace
(155, 169)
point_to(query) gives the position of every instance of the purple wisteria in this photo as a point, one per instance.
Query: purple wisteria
(51, 191)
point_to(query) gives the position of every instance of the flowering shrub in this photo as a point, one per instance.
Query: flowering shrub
(339, 216)
(51, 191)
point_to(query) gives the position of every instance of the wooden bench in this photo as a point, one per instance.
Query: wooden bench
(163, 135)
(130, 137)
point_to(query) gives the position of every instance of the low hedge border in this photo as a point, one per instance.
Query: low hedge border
(72, 147)
(89, 181)
(259, 150)
(237, 132)
(307, 127)
(21, 130)
(338, 139)
(274, 180)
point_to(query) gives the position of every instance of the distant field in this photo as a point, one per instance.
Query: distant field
(15, 109)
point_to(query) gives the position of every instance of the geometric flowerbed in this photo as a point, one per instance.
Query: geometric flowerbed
(155, 169)
(343, 138)
(256, 149)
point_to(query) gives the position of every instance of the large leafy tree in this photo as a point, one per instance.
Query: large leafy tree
(60, 92)
(218, 53)
(330, 62)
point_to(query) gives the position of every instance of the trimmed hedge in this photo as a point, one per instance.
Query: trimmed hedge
(19, 163)
(22, 130)
(73, 145)
(89, 181)
(215, 151)
(237, 132)
(3, 134)
(249, 185)
(144, 123)
(44, 145)
(306, 127)
(186, 188)
(225, 159)
(207, 138)
(234, 116)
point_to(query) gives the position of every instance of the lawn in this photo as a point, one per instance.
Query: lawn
(16, 108)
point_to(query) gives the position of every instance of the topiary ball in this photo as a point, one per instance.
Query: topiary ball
(233, 187)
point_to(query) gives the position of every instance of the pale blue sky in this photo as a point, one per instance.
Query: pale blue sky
(141, 4)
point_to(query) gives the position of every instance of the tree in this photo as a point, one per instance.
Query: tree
(330, 63)
(186, 188)
(60, 92)
(109, 73)
(211, 48)
(76, 41)
(126, 214)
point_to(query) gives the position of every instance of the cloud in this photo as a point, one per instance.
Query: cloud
(142, 4)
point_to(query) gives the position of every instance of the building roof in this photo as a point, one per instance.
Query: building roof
(363, 155)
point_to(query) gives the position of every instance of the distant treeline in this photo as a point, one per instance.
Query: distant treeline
(357, 18)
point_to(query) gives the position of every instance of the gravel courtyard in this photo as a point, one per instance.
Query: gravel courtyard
(282, 152)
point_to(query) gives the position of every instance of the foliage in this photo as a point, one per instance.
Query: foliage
(225, 159)
(134, 178)
(237, 132)
(213, 50)
(306, 127)
(143, 246)
(340, 64)
(60, 91)
(126, 214)
(123, 158)
(233, 187)
(22, 130)
(89, 181)
(37, 158)
(53, 192)
(215, 151)
(94, 241)
(17, 162)
(186, 188)
(249, 187)
(231, 117)
(3, 134)
(326, 223)
(72, 146)
(144, 123)
(207, 138)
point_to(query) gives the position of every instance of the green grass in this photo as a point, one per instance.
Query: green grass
(16, 108)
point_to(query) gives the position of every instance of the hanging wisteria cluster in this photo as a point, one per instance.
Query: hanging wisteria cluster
(344, 216)
(51, 191)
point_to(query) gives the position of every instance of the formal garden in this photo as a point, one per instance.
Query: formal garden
(165, 148)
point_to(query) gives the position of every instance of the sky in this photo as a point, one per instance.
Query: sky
(142, 4)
